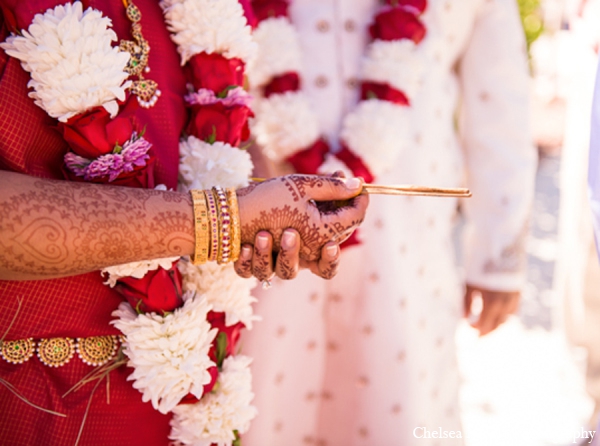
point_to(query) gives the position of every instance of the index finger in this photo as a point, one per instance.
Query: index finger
(320, 188)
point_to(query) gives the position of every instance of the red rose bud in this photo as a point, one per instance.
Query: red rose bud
(214, 375)
(418, 5)
(266, 9)
(309, 160)
(95, 133)
(215, 72)
(370, 90)
(355, 164)
(158, 291)
(397, 23)
(217, 122)
(280, 84)
(217, 320)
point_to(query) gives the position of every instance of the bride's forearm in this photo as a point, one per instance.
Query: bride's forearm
(52, 228)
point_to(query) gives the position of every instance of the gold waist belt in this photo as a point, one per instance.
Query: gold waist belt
(56, 352)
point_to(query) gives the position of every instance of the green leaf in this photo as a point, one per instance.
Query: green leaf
(238, 440)
(213, 137)
(221, 348)
(223, 94)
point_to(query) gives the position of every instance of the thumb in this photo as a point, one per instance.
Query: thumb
(334, 189)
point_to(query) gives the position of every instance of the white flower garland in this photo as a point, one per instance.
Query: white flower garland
(223, 289)
(275, 56)
(214, 26)
(210, 26)
(72, 62)
(214, 419)
(382, 125)
(203, 165)
(169, 353)
(284, 122)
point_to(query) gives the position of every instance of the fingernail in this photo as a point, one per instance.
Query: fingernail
(262, 242)
(332, 250)
(246, 251)
(288, 240)
(353, 183)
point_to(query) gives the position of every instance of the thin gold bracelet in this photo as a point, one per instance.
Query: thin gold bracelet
(224, 225)
(213, 215)
(236, 230)
(201, 227)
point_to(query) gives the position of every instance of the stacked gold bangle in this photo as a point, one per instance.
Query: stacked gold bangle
(201, 247)
(216, 226)
(236, 232)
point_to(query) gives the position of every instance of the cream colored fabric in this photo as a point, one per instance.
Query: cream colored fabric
(368, 357)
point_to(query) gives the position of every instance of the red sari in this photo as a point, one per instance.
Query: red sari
(78, 306)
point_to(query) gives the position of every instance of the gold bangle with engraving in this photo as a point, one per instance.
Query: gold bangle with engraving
(236, 230)
(201, 227)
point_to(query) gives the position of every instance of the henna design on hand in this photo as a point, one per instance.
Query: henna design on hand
(297, 184)
(331, 270)
(52, 228)
(261, 269)
(312, 235)
(285, 266)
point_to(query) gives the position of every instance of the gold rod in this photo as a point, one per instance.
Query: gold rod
(408, 190)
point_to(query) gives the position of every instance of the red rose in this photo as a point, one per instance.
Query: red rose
(419, 5)
(265, 9)
(217, 320)
(217, 122)
(280, 84)
(309, 160)
(95, 133)
(369, 90)
(158, 291)
(215, 72)
(397, 23)
(355, 164)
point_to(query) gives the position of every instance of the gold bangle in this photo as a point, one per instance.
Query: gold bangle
(201, 227)
(213, 213)
(224, 225)
(236, 230)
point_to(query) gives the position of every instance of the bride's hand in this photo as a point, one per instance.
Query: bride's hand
(260, 261)
(322, 210)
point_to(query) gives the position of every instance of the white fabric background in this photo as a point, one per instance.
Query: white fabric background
(366, 358)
